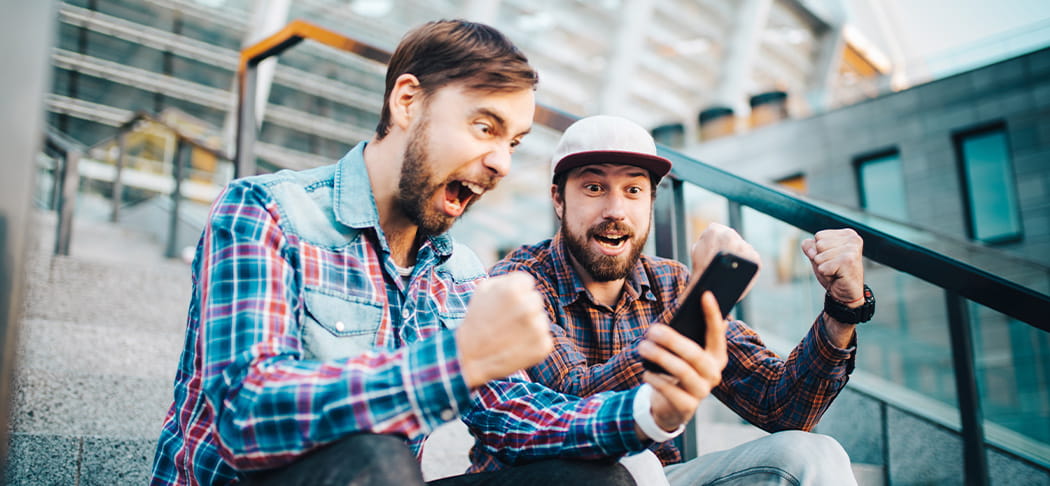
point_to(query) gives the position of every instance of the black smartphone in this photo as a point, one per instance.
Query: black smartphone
(726, 276)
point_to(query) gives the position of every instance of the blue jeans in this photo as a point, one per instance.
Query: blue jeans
(785, 458)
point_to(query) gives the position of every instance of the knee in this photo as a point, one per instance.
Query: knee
(807, 454)
(375, 459)
(585, 473)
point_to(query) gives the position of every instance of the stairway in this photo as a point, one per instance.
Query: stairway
(98, 345)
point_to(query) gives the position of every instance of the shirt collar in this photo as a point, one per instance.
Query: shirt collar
(355, 204)
(570, 285)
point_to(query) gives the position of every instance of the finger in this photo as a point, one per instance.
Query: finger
(672, 364)
(662, 377)
(715, 336)
(809, 248)
(676, 344)
(669, 388)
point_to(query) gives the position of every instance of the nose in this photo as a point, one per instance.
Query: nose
(615, 207)
(498, 160)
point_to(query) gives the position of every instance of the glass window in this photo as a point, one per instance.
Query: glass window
(882, 186)
(988, 185)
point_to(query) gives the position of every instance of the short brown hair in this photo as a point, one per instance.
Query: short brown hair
(445, 51)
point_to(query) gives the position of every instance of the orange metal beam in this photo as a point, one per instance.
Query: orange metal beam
(298, 30)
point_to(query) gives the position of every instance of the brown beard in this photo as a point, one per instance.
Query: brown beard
(604, 268)
(416, 188)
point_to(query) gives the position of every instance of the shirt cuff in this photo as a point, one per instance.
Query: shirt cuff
(433, 380)
(643, 416)
(833, 361)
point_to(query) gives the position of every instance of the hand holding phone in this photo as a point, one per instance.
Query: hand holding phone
(726, 277)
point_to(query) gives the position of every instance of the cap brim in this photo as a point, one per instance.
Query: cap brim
(655, 164)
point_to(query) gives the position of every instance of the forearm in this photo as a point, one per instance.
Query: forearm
(283, 407)
(778, 394)
(566, 370)
(518, 422)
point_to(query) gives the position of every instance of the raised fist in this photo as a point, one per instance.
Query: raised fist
(837, 257)
(506, 329)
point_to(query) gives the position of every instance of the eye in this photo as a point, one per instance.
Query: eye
(592, 188)
(635, 190)
(514, 143)
(483, 127)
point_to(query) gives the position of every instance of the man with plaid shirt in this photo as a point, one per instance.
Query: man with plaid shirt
(608, 304)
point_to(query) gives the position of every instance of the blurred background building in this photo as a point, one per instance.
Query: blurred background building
(929, 120)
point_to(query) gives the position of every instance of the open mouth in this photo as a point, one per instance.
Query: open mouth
(613, 242)
(459, 195)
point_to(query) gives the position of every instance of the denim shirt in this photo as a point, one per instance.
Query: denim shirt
(301, 331)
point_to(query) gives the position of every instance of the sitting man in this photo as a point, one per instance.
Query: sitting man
(329, 328)
(608, 304)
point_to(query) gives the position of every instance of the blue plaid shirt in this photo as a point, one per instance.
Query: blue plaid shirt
(300, 330)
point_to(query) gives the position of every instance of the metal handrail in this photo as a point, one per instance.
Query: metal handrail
(66, 182)
(1005, 296)
(64, 188)
(957, 278)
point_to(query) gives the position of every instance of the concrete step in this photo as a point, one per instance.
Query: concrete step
(61, 460)
(69, 289)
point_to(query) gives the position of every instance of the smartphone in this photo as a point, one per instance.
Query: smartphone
(726, 277)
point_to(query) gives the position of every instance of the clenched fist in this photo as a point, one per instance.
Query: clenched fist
(506, 329)
(837, 257)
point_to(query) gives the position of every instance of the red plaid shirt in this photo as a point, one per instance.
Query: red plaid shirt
(596, 346)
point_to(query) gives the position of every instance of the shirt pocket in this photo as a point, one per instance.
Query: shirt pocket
(338, 326)
(451, 319)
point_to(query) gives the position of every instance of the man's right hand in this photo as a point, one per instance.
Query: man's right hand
(506, 329)
(692, 371)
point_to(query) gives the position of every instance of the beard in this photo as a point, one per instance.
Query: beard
(602, 267)
(416, 187)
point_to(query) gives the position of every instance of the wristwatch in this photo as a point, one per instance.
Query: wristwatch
(838, 311)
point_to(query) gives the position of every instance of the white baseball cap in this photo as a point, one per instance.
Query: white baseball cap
(606, 139)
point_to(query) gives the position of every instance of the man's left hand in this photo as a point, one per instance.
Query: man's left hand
(837, 257)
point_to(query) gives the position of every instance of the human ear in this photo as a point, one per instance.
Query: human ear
(559, 204)
(404, 100)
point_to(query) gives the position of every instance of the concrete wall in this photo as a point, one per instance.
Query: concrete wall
(919, 123)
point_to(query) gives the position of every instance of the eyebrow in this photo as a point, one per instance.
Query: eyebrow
(601, 172)
(500, 121)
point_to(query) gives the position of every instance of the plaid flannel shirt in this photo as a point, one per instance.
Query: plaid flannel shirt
(300, 330)
(596, 347)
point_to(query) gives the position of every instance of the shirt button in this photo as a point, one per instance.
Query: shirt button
(447, 414)
(340, 326)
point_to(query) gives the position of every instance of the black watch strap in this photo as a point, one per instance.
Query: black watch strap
(838, 311)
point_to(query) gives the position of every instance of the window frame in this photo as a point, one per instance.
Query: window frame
(959, 137)
(858, 176)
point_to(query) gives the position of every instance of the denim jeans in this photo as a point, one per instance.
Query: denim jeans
(791, 457)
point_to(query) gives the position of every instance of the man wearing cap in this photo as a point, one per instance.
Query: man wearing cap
(608, 304)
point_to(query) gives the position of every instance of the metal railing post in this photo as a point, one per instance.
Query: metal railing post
(669, 221)
(244, 159)
(975, 461)
(181, 153)
(67, 201)
(736, 221)
(118, 187)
